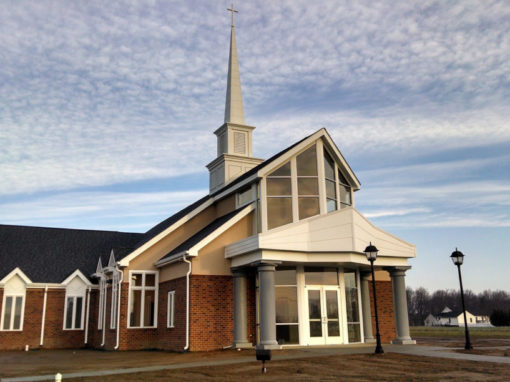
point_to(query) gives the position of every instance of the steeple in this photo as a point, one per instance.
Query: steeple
(234, 137)
(234, 101)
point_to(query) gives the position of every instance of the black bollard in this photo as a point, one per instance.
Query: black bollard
(263, 355)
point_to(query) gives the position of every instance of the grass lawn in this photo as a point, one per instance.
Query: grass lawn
(502, 332)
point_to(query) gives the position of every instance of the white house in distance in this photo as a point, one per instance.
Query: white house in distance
(447, 317)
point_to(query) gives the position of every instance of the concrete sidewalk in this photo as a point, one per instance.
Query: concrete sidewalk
(298, 353)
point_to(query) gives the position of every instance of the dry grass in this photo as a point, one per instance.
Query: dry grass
(458, 332)
(360, 367)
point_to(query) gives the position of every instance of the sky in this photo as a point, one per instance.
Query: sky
(107, 113)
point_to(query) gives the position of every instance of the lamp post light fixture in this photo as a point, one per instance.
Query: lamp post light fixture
(458, 258)
(371, 253)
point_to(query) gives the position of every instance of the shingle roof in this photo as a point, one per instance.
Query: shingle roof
(52, 254)
(202, 233)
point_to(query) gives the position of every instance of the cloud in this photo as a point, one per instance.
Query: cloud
(136, 211)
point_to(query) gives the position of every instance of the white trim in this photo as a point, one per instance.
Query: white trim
(143, 288)
(76, 273)
(113, 300)
(102, 283)
(125, 261)
(186, 347)
(170, 310)
(111, 261)
(117, 337)
(193, 251)
(43, 318)
(16, 271)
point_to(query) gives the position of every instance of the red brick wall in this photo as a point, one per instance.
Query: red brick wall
(136, 339)
(252, 310)
(385, 310)
(54, 335)
(211, 314)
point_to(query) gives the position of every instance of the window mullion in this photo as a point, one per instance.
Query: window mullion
(73, 326)
(294, 190)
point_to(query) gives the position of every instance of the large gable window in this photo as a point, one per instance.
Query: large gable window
(279, 197)
(308, 184)
(143, 294)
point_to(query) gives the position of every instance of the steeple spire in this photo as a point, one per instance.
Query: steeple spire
(234, 112)
(235, 156)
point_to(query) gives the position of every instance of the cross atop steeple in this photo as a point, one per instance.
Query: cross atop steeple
(231, 9)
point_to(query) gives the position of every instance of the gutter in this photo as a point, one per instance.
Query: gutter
(118, 308)
(186, 348)
(43, 320)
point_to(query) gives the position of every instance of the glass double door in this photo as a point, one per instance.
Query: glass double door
(324, 315)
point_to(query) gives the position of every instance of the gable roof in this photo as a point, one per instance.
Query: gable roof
(202, 234)
(162, 226)
(51, 254)
(234, 185)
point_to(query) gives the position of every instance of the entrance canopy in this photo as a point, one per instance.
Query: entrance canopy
(338, 237)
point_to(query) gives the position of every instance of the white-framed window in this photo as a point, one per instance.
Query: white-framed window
(13, 307)
(13, 303)
(115, 296)
(171, 309)
(73, 319)
(143, 299)
(74, 311)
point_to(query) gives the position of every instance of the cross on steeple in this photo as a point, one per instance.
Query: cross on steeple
(231, 9)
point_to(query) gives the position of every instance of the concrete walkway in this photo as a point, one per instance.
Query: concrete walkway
(300, 353)
(448, 353)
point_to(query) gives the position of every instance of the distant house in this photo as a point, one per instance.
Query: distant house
(447, 317)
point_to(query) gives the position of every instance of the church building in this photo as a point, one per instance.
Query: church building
(271, 257)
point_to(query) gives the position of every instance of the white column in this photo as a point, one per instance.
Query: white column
(240, 310)
(365, 305)
(400, 306)
(267, 307)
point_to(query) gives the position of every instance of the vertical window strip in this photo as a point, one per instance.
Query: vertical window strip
(171, 309)
(331, 187)
(115, 293)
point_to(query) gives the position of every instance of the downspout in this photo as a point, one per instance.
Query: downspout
(87, 317)
(105, 296)
(187, 301)
(43, 320)
(118, 308)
